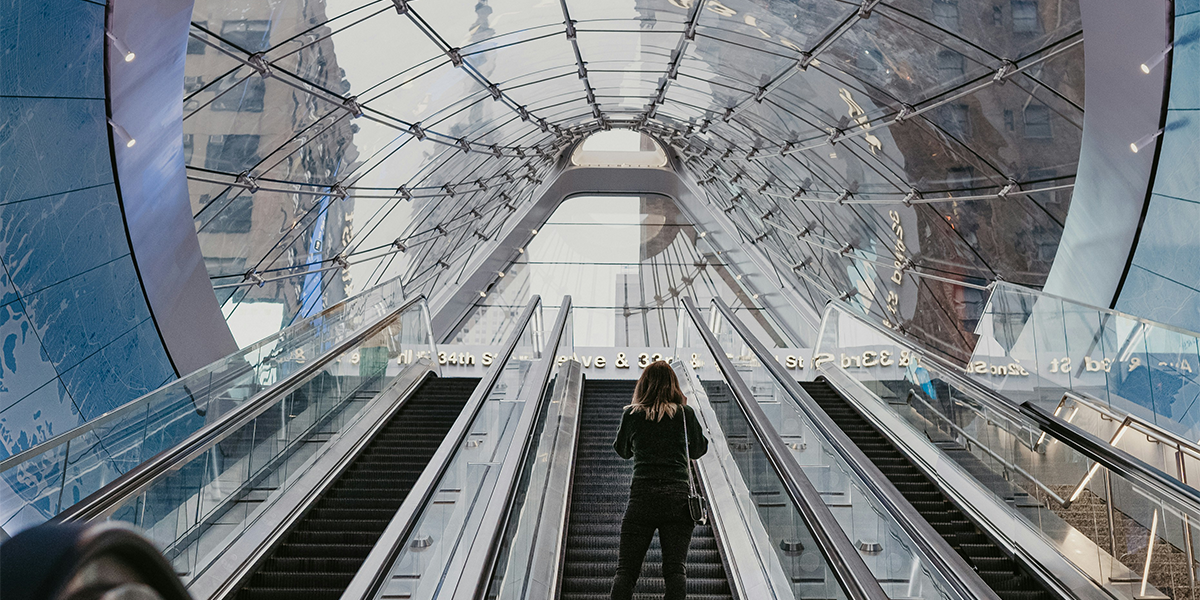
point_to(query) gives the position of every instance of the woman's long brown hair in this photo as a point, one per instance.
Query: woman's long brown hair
(657, 393)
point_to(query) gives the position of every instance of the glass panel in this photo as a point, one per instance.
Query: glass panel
(519, 551)
(170, 414)
(449, 522)
(769, 512)
(196, 511)
(1036, 347)
(1096, 518)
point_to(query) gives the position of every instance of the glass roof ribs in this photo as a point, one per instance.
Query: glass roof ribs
(573, 36)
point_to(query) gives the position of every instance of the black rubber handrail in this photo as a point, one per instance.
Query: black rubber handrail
(111, 496)
(934, 548)
(844, 560)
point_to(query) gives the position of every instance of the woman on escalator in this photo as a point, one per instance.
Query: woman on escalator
(652, 434)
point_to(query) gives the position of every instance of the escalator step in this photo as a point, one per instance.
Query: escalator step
(318, 558)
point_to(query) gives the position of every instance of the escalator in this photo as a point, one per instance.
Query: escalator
(1008, 579)
(320, 555)
(599, 492)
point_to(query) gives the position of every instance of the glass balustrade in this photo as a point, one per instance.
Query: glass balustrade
(538, 491)
(1131, 537)
(39, 484)
(430, 561)
(205, 502)
(785, 546)
(887, 548)
(1035, 346)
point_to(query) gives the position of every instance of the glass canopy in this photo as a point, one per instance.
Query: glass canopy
(898, 155)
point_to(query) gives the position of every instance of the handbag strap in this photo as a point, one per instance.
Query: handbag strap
(687, 454)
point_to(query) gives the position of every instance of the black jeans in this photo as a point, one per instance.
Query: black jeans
(665, 510)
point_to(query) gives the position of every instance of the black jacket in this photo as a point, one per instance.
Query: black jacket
(656, 447)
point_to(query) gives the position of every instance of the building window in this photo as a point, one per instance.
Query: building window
(997, 15)
(251, 36)
(951, 65)
(955, 121)
(945, 14)
(195, 46)
(1037, 122)
(960, 178)
(1025, 16)
(246, 96)
(868, 60)
(189, 145)
(234, 217)
(192, 84)
(1009, 125)
(231, 153)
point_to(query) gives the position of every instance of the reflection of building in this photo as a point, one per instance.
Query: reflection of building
(237, 121)
(1027, 129)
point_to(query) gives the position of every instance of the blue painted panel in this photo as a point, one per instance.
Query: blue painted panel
(1170, 246)
(52, 48)
(1163, 283)
(131, 366)
(53, 238)
(7, 293)
(47, 412)
(1177, 174)
(1157, 298)
(24, 365)
(1185, 90)
(51, 146)
(82, 315)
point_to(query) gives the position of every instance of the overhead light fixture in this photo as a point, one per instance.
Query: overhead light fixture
(1142, 143)
(534, 231)
(483, 294)
(1158, 58)
(128, 54)
(121, 134)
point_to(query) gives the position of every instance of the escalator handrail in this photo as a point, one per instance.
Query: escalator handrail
(151, 396)
(376, 568)
(112, 495)
(844, 560)
(481, 559)
(1113, 458)
(933, 547)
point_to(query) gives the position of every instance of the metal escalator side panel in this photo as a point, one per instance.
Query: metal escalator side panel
(533, 537)
(466, 467)
(849, 572)
(894, 509)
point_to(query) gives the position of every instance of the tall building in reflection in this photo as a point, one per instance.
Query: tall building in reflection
(277, 136)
